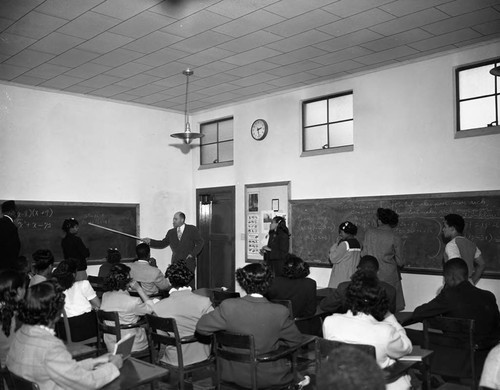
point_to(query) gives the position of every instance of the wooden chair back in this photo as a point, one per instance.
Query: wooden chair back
(18, 383)
(164, 331)
(453, 333)
(287, 303)
(97, 283)
(323, 348)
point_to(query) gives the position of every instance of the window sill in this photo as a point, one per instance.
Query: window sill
(216, 165)
(477, 132)
(340, 149)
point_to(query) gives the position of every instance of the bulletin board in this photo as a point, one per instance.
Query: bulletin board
(262, 203)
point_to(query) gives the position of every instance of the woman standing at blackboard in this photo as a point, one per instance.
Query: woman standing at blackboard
(344, 255)
(277, 246)
(74, 248)
(386, 246)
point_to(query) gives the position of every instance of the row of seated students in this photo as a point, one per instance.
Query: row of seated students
(364, 317)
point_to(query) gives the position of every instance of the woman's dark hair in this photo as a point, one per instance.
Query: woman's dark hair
(179, 274)
(42, 259)
(255, 278)
(118, 278)
(365, 295)
(10, 281)
(281, 225)
(65, 273)
(68, 224)
(348, 227)
(295, 267)
(388, 217)
(43, 303)
(114, 256)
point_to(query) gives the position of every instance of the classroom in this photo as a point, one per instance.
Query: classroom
(70, 147)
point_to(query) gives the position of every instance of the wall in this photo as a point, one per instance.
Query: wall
(64, 147)
(403, 144)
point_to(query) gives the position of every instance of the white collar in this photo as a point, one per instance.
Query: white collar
(50, 330)
(8, 216)
(187, 288)
(143, 261)
(181, 227)
(255, 295)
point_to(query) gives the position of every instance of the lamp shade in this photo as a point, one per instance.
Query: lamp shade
(495, 71)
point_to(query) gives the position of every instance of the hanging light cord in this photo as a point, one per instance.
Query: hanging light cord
(187, 73)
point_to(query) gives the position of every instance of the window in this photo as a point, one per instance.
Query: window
(478, 100)
(328, 123)
(217, 145)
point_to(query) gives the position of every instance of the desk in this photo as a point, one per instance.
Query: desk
(135, 372)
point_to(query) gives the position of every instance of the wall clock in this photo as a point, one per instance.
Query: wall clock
(259, 129)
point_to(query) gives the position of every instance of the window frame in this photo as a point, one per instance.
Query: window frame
(479, 131)
(335, 149)
(217, 142)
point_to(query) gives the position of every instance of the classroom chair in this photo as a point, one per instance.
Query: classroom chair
(79, 350)
(163, 331)
(18, 383)
(226, 344)
(108, 322)
(219, 296)
(451, 337)
(285, 302)
(97, 284)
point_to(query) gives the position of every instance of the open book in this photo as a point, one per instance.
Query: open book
(124, 346)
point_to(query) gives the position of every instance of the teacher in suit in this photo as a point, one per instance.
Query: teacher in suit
(184, 240)
(10, 244)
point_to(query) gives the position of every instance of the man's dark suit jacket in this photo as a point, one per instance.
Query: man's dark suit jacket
(10, 245)
(191, 243)
(271, 327)
(335, 302)
(463, 301)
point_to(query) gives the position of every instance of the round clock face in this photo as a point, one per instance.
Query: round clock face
(259, 129)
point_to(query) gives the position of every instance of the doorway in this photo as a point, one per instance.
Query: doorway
(216, 222)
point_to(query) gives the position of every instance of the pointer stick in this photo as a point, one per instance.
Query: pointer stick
(114, 231)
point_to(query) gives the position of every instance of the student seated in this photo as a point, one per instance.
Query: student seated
(368, 321)
(150, 278)
(43, 262)
(348, 368)
(12, 289)
(38, 356)
(253, 314)
(117, 298)
(187, 308)
(113, 257)
(459, 298)
(80, 299)
(335, 302)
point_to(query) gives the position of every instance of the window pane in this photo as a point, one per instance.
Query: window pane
(315, 113)
(341, 134)
(315, 137)
(226, 151)
(476, 82)
(226, 130)
(210, 131)
(208, 153)
(477, 113)
(340, 108)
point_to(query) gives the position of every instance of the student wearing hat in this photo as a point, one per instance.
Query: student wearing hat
(345, 254)
(10, 244)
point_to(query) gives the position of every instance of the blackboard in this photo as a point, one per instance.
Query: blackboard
(40, 224)
(314, 225)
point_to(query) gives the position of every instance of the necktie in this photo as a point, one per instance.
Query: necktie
(179, 233)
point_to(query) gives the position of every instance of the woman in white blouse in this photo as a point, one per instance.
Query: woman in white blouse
(130, 309)
(368, 321)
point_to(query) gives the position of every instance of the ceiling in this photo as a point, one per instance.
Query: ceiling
(136, 50)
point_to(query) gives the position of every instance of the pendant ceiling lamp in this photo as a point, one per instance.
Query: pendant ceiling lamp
(187, 136)
(495, 71)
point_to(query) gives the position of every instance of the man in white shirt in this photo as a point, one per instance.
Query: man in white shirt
(461, 247)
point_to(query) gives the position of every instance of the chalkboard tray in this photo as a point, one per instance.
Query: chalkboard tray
(314, 226)
(39, 225)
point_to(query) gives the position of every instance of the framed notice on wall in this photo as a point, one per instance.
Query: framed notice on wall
(263, 203)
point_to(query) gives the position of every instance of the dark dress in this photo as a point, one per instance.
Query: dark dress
(279, 243)
(10, 244)
(74, 248)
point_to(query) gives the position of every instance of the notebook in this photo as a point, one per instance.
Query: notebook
(124, 346)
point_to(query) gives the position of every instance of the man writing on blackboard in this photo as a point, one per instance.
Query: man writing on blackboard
(10, 245)
(184, 240)
(461, 247)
